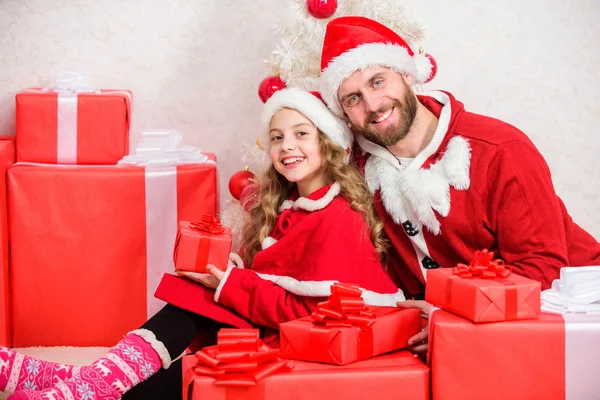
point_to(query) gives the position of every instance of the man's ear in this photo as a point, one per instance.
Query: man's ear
(408, 78)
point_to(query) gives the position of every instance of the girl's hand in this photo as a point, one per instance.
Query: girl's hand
(211, 279)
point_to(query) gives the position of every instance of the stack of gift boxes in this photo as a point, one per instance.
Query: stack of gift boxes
(488, 340)
(90, 227)
(344, 350)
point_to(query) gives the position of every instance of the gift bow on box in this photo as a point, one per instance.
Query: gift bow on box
(208, 224)
(345, 307)
(239, 359)
(483, 266)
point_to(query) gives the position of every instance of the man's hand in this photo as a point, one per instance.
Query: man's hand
(418, 342)
(210, 280)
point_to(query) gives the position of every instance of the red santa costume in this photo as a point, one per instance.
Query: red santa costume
(480, 183)
(317, 240)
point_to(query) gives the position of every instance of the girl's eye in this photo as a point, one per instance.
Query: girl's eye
(275, 138)
(302, 133)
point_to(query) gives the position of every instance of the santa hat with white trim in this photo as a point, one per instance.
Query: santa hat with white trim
(312, 107)
(356, 43)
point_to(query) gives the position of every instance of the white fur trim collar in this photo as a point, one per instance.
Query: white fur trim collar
(412, 193)
(323, 289)
(304, 203)
(366, 56)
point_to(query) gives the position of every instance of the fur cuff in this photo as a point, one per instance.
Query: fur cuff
(156, 344)
(221, 284)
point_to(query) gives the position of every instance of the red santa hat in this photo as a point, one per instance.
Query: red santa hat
(356, 43)
(312, 107)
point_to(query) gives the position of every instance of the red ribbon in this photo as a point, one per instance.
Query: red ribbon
(345, 307)
(209, 224)
(483, 266)
(239, 359)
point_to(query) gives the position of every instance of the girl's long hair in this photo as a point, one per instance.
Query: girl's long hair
(273, 189)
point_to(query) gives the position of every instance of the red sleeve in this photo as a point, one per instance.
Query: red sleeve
(261, 301)
(524, 212)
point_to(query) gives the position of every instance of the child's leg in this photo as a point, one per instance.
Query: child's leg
(133, 360)
(24, 372)
(165, 384)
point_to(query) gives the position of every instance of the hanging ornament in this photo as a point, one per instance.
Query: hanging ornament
(321, 8)
(239, 181)
(433, 67)
(249, 197)
(268, 86)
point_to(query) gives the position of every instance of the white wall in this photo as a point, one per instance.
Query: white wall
(195, 65)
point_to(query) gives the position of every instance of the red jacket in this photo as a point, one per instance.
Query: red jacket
(480, 183)
(318, 240)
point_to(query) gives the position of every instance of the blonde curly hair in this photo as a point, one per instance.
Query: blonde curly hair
(273, 189)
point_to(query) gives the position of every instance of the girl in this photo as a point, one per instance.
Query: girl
(313, 225)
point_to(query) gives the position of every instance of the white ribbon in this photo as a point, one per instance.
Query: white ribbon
(66, 135)
(162, 148)
(161, 229)
(582, 356)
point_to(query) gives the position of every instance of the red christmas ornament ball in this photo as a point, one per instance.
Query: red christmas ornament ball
(239, 181)
(434, 67)
(268, 86)
(249, 197)
(321, 8)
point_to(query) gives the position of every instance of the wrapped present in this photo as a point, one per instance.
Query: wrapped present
(484, 291)
(553, 357)
(197, 298)
(7, 158)
(200, 243)
(70, 123)
(239, 359)
(398, 376)
(89, 245)
(343, 330)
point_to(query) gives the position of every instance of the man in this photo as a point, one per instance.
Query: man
(447, 182)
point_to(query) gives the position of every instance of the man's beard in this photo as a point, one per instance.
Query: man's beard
(392, 134)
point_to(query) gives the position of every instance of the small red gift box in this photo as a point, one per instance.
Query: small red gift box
(484, 291)
(553, 357)
(201, 243)
(72, 128)
(397, 376)
(343, 330)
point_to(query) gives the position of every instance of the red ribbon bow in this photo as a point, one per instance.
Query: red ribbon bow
(209, 224)
(345, 307)
(483, 266)
(239, 358)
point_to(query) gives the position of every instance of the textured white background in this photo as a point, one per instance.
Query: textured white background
(195, 65)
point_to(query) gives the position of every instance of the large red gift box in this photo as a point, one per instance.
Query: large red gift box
(200, 243)
(7, 158)
(302, 339)
(72, 128)
(398, 376)
(484, 300)
(89, 246)
(555, 357)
